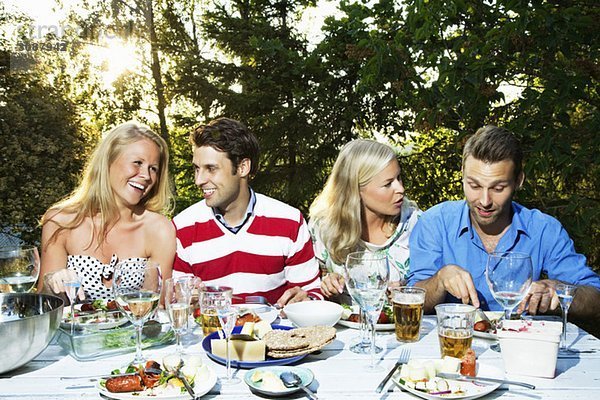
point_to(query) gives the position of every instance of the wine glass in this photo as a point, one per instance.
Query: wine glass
(19, 268)
(177, 303)
(565, 293)
(72, 286)
(136, 286)
(227, 317)
(509, 276)
(367, 276)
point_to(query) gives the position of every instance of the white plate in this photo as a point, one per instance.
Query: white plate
(269, 316)
(356, 325)
(305, 375)
(94, 320)
(472, 390)
(492, 315)
(200, 388)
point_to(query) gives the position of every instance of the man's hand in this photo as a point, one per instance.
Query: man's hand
(332, 284)
(540, 298)
(292, 295)
(55, 281)
(459, 283)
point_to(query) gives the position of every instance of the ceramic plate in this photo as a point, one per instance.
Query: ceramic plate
(356, 325)
(492, 315)
(471, 390)
(200, 388)
(99, 319)
(248, 364)
(270, 316)
(305, 374)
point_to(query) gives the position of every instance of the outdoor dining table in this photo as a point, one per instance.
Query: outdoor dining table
(339, 373)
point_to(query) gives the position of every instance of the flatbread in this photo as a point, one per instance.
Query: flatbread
(281, 340)
(317, 337)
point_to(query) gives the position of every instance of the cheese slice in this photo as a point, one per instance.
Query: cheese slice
(248, 329)
(261, 328)
(240, 350)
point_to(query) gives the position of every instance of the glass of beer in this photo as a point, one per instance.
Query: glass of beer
(455, 328)
(408, 305)
(212, 298)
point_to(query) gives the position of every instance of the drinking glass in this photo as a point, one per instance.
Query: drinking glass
(19, 268)
(177, 303)
(455, 328)
(136, 286)
(509, 276)
(210, 298)
(227, 316)
(190, 286)
(408, 303)
(367, 275)
(565, 293)
(72, 287)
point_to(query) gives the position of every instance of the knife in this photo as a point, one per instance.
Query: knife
(460, 377)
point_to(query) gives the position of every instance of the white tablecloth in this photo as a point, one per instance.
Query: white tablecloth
(339, 373)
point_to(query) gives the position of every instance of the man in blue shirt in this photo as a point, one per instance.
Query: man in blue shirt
(450, 243)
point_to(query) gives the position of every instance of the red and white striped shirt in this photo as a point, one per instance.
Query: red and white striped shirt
(271, 252)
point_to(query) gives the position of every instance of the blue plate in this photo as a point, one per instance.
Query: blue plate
(305, 375)
(248, 364)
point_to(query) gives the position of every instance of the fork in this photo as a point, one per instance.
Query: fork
(402, 359)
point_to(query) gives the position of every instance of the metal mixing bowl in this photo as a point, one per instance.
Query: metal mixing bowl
(28, 323)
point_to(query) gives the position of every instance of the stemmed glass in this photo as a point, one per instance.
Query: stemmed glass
(136, 286)
(509, 276)
(565, 293)
(367, 276)
(177, 303)
(19, 269)
(72, 286)
(227, 317)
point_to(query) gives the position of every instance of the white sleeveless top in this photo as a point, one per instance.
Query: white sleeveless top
(91, 271)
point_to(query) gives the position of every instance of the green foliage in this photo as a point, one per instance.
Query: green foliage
(42, 152)
(434, 71)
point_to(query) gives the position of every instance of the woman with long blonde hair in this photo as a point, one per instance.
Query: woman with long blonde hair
(115, 214)
(362, 207)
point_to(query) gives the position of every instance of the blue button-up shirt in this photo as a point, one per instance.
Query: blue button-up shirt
(444, 235)
(249, 212)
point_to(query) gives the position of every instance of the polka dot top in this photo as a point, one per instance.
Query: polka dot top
(96, 277)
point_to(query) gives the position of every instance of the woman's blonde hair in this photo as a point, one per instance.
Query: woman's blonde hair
(338, 208)
(94, 195)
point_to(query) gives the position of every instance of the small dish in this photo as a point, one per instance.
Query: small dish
(248, 364)
(304, 373)
(269, 316)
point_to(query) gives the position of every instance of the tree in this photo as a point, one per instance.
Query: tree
(434, 71)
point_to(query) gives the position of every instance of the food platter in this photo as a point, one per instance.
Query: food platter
(265, 313)
(100, 318)
(356, 325)
(200, 388)
(492, 315)
(354, 309)
(470, 390)
(305, 375)
(248, 364)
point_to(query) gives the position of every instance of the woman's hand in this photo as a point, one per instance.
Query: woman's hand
(332, 284)
(54, 282)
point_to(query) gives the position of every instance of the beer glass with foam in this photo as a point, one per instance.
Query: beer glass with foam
(408, 305)
(455, 328)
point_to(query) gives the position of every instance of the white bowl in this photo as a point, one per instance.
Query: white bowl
(312, 313)
(530, 347)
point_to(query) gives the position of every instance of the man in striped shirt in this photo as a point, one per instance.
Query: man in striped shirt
(238, 238)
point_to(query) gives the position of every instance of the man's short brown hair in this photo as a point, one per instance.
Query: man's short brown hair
(229, 136)
(492, 144)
